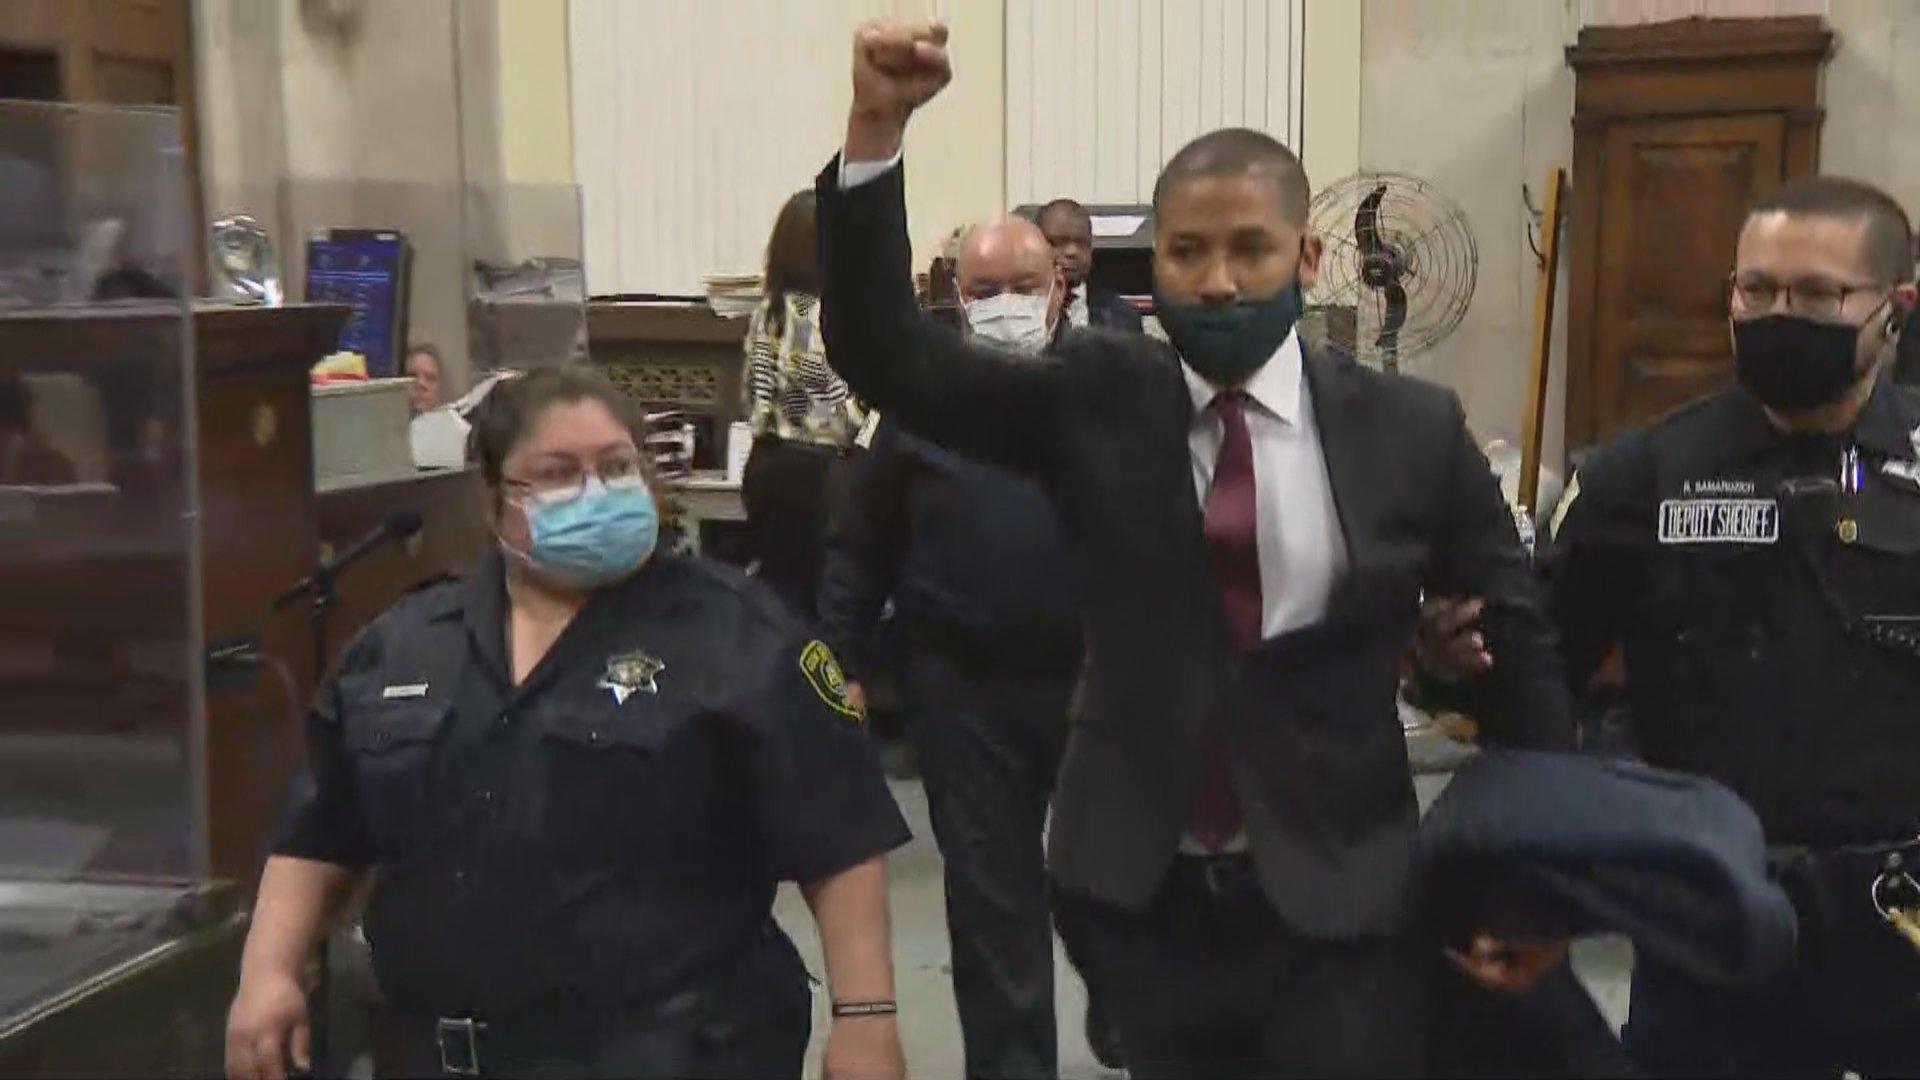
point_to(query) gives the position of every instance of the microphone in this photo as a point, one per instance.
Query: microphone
(399, 526)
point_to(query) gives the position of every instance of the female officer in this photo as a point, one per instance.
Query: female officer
(579, 774)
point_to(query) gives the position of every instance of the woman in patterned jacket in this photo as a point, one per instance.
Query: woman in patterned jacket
(803, 417)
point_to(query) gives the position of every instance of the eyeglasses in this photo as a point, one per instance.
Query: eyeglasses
(1755, 295)
(560, 481)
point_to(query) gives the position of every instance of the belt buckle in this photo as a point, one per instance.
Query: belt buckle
(459, 1045)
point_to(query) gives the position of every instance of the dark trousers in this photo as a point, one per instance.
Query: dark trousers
(751, 1022)
(990, 746)
(1808, 1023)
(1207, 982)
(787, 490)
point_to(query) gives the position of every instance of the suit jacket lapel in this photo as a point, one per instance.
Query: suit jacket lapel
(1347, 443)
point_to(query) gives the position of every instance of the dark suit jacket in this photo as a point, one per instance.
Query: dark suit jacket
(1320, 763)
(1106, 308)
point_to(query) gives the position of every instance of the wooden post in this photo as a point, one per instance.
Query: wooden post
(1534, 423)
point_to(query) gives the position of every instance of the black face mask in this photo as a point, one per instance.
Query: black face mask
(1791, 363)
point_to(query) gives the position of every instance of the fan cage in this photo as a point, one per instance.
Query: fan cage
(1441, 257)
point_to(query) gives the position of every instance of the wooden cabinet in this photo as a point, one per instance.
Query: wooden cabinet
(258, 526)
(119, 52)
(1678, 127)
(107, 52)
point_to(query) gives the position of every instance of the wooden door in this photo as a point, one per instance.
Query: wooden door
(1677, 128)
(1674, 194)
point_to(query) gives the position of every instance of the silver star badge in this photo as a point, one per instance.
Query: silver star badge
(629, 673)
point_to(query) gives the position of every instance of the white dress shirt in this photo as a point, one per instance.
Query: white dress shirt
(855, 173)
(1077, 312)
(1302, 551)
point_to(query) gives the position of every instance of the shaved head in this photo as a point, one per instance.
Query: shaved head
(1235, 152)
(1009, 254)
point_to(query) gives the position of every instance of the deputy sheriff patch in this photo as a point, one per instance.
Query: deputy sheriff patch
(1719, 521)
(630, 673)
(824, 675)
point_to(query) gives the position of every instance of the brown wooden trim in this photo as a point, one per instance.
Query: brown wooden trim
(1582, 281)
(228, 339)
(1533, 421)
(687, 324)
(1702, 40)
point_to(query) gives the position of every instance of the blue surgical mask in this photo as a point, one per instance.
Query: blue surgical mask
(595, 538)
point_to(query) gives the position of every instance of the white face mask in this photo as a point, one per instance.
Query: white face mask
(1014, 321)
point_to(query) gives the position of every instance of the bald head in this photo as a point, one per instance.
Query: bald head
(1007, 255)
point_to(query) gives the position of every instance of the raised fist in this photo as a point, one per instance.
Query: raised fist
(897, 67)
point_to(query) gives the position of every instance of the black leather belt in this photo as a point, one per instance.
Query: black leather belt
(473, 1046)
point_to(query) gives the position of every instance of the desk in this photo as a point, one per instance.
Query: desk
(707, 498)
(708, 495)
(116, 978)
(678, 356)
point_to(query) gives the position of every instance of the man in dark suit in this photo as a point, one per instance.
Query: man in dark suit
(981, 582)
(1252, 525)
(1069, 228)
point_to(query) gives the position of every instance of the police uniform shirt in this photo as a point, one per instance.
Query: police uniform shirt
(1766, 590)
(607, 831)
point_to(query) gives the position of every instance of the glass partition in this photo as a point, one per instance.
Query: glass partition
(101, 815)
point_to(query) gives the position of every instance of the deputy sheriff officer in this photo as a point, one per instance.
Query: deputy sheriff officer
(1757, 557)
(574, 780)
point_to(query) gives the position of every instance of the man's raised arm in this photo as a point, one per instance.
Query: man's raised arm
(978, 401)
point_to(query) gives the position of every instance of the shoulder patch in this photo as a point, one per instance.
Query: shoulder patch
(823, 674)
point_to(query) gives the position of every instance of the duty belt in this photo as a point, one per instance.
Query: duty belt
(1834, 887)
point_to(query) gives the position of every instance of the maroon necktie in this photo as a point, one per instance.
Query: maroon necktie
(1233, 555)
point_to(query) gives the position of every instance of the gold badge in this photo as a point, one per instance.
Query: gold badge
(1849, 530)
(629, 673)
(824, 675)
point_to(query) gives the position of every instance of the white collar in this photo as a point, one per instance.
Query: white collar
(1275, 387)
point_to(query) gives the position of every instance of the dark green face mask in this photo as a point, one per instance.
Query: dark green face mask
(1227, 344)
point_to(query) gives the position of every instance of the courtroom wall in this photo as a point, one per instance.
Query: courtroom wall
(1475, 96)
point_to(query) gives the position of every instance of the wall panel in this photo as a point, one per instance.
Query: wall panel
(1101, 92)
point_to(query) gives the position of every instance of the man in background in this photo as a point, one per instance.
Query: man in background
(1069, 229)
(423, 367)
(973, 559)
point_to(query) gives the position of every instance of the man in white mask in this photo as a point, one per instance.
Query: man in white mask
(982, 584)
(1012, 291)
